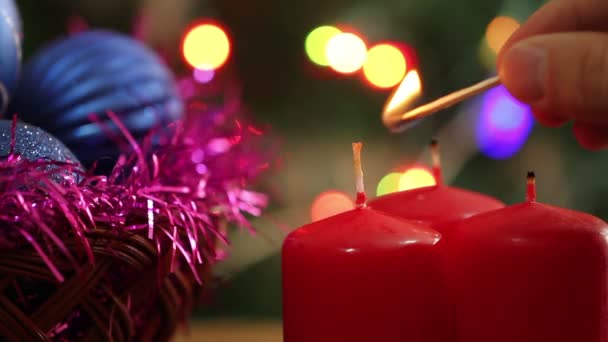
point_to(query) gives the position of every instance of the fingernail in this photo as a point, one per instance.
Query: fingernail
(523, 71)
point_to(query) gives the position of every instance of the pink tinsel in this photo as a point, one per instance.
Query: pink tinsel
(171, 188)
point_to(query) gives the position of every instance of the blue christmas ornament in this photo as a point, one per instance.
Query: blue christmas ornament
(92, 73)
(10, 51)
(11, 10)
(33, 143)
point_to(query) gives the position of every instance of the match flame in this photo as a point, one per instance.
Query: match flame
(401, 100)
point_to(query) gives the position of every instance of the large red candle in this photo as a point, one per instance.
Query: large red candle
(440, 205)
(361, 276)
(529, 273)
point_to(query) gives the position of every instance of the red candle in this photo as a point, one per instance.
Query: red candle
(441, 206)
(362, 276)
(529, 273)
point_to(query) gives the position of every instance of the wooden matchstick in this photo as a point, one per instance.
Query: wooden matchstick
(402, 119)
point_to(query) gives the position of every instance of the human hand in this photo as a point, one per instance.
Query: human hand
(557, 62)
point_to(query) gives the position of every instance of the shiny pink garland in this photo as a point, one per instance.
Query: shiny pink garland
(169, 188)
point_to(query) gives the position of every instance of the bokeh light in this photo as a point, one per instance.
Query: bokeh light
(504, 124)
(388, 184)
(385, 66)
(499, 30)
(346, 53)
(206, 47)
(203, 76)
(330, 203)
(316, 43)
(416, 177)
(487, 56)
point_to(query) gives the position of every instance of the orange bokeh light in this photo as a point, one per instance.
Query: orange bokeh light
(499, 30)
(206, 46)
(330, 203)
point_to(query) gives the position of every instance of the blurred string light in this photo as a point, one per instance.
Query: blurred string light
(346, 53)
(388, 184)
(504, 124)
(316, 43)
(412, 178)
(416, 177)
(499, 31)
(330, 203)
(487, 56)
(206, 47)
(203, 76)
(385, 66)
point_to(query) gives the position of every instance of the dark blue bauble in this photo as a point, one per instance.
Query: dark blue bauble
(96, 72)
(10, 51)
(33, 143)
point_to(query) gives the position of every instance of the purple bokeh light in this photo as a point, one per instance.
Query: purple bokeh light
(203, 76)
(504, 124)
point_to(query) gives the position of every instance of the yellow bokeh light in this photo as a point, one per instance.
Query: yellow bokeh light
(499, 30)
(416, 177)
(487, 56)
(385, 66)
(330, 203)
(316, 43)
(346, 53)
(206, 47)
(389, 184)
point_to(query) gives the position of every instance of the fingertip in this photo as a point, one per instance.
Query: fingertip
(515, 37)
(591, 137)
(523, 71)
(549, 120)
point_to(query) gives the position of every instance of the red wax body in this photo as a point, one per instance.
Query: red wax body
(529, 273)
(440, 206)
(361, 276)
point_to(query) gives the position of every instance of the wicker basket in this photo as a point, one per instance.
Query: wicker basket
(127, 295)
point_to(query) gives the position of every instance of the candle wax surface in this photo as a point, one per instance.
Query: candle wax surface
(528, 273)
(440, 205)
(362, 275)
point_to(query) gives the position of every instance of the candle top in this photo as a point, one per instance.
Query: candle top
(362, 228)
(532, 219)
(436, 205)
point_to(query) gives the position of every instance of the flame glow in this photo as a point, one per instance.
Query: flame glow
(407, 92)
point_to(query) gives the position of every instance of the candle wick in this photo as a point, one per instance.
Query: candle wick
(361, 197)
(531, 187)
(436, 161)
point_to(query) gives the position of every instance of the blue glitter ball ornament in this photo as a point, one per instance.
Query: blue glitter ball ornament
(33, 143)
(91, 73)
(10, 51)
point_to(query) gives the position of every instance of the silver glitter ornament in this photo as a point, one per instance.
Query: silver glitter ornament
(33, 143)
